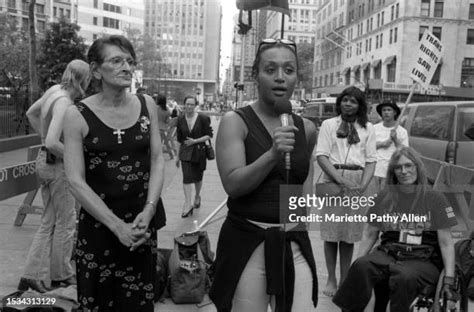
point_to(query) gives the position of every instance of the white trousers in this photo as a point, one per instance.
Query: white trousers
(251, 295)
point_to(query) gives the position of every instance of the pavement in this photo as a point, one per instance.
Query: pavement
(15, 241)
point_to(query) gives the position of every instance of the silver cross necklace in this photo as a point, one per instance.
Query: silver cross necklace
(119, 133)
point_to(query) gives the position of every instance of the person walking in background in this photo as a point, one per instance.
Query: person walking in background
(193, 130)
(387, 139)
(250, 273)
(163, 122)
(53, 242)
(346, 154)
(114, 162)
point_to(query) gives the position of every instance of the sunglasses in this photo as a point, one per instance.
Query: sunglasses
(271, 41)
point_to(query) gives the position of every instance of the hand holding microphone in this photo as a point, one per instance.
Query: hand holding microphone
(284, 137)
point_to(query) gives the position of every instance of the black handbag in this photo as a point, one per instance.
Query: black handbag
(210, 154)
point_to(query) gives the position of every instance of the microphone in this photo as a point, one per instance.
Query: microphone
(283, 108)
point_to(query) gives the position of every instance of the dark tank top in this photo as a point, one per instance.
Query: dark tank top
(263, 203)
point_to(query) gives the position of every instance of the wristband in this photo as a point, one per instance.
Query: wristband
(150, 202)
(448, 280)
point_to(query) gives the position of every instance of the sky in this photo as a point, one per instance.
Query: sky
(229, 9)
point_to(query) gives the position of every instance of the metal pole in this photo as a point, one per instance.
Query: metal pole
(242, 68)
(282, 31)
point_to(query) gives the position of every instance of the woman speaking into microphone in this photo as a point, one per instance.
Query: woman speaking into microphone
(257, 264)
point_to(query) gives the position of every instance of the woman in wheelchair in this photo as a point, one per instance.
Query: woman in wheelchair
(415, 225)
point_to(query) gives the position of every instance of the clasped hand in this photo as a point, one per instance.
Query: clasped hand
(350, 188)
(134, 234)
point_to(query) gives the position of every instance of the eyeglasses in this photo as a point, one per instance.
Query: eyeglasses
(118, 62)
(272, 41)
(407, 166)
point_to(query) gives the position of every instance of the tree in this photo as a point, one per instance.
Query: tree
(305, 53)
(14, 72)
(60, 45)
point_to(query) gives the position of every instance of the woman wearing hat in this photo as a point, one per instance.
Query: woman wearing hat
(388, 139)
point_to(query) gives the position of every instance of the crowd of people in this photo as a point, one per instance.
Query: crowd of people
(104, 153)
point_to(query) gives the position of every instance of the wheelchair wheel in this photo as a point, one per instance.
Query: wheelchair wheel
(438, 300)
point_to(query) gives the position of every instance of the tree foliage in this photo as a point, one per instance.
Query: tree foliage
(60, 45)
(305, 53)
(14, 53)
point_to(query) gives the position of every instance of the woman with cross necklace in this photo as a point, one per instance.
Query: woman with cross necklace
(115, 165)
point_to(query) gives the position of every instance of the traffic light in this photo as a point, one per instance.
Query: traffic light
(239, 86)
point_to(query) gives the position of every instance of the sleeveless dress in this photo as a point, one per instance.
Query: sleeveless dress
(109, 276)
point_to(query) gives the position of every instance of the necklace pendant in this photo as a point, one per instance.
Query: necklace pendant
(119, 133)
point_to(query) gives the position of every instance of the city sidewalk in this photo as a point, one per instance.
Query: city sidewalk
(15, 241)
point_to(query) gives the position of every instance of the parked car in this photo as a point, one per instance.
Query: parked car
(442, 130)
(318, 110)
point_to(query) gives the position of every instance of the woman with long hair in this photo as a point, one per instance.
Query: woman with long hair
(53, 242)
(346, 154)
(259, 264)
(416, 242)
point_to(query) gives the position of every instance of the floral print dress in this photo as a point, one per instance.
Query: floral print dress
(117, 166)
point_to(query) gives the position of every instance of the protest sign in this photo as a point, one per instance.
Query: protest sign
(427, 57)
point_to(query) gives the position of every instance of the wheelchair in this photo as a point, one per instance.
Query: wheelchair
(426, 302)
(429, 300)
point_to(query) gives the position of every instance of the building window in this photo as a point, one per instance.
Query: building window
(391, 36)
(395, 33)
(24, 23)
(425, 8)
(376, 42)
(39, 8)
(467, 73)
(422, 31)
(392, 12)
(41, 26)
(12, 4)
(391, 70)
(61, 12)
(397, 9)
(381, 40)
(357, 75)
(471, 11)
(111, 23)
(437, 32)
(381, 22)
(378, 71)
(55, 11)
(438, 8)
(470, 36)
(94, 20)
(96, 4)
(94, 36)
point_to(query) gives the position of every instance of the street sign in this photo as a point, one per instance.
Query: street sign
(18, 179)
(427, 57)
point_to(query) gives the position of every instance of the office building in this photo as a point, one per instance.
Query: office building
(187, 34)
